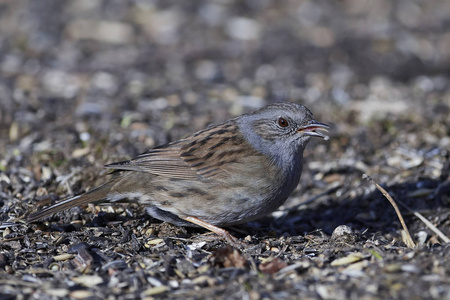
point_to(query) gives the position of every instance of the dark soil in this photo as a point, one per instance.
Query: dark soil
(86, 83)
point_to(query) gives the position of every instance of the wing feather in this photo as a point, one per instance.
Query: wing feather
(162, 162)
(202, 155)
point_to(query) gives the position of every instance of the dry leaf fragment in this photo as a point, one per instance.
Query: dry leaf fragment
(349, 259)
(272, 266)
(228, 257)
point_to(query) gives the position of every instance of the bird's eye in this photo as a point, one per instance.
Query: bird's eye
(283, 122)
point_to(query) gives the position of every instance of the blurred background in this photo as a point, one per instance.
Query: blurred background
(128, 59)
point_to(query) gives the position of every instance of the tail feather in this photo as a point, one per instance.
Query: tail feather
(96, 195)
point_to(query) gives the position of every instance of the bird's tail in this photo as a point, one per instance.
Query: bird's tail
(96, 195)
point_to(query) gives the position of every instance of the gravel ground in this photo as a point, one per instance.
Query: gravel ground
(86, 83)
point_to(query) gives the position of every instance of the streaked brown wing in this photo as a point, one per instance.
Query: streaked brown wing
(204, 154)
(162, 161)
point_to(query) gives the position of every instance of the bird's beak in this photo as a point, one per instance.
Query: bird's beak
(311, 129)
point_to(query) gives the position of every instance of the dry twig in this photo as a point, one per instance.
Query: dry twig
(427, 223)
(409, 241)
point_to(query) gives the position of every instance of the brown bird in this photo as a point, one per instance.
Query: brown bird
(224, 175)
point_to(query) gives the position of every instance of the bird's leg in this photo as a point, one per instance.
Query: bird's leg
(217, 230)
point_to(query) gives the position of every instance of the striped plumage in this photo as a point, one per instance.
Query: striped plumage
(226, 174)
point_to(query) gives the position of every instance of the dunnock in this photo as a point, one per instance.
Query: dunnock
(224, 175)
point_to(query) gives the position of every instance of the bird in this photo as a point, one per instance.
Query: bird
(226, 174)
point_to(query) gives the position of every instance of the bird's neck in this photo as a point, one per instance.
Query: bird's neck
(286, 158)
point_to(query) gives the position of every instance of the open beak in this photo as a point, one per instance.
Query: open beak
(314, 128)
